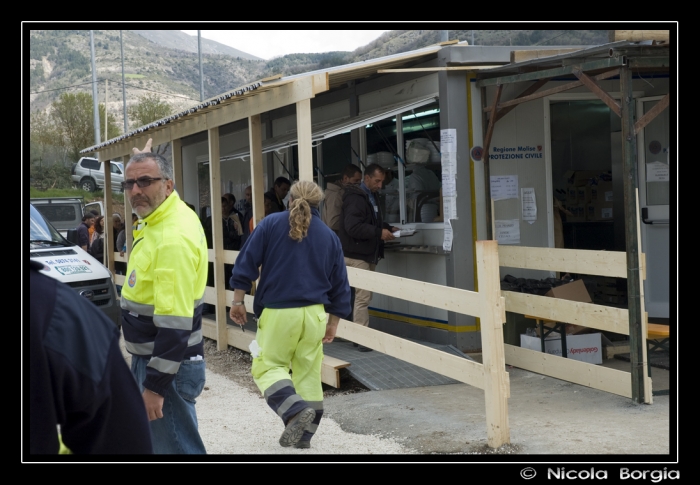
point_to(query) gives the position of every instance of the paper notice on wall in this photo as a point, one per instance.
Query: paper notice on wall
(449, 208)
(529, 204)
(504, 187)
(448, 141)
(447, 240)
(508, 232)
(657, 172)
(449, 174)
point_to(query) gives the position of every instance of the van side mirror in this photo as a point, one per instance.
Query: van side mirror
(72, 236)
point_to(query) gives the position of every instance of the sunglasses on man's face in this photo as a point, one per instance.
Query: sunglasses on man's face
(141, 182)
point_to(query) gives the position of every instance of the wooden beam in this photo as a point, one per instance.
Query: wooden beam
(492, 121)
(661, 105)
(256, 168)
(437, 69)
(579, 261)
(600, 317)
(502, 111)
(449, 365)
(233, 109)
(520, 56)
(607, 63)
(597, 90)
(493, 314)
(305, 150)
(177, 166)
(570, 370)
(437, 296)
(638, 35)
(217, 236)
(541, 94)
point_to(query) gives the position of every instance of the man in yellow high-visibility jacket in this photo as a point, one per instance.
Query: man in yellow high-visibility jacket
(162, 304)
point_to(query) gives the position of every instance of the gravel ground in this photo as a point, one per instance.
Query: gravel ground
(235, 420)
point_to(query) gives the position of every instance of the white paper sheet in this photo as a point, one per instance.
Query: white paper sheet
(508, 232)
(657, 172)
(447, 241)
(529, 204)
(504, 187)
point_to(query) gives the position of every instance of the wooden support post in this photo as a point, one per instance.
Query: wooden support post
(217, 237)
(629, 167)
(108, 260)
(493, 315)
(256, 168)
(306, 158)
(176, 146)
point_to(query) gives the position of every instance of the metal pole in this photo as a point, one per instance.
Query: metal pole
(629, 168)
(121, 46)
(201, 72)
(106, 129)
(472, 37)
(95, 108)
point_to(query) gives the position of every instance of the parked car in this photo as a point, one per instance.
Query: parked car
(69, 264)
(89, 175)
(65, 213)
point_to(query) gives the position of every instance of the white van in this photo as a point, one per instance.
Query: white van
(71, 265)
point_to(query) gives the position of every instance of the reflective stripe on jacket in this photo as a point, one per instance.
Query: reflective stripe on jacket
(162, 295)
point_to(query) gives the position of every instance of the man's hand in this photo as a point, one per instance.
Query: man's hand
(387, 235)
(154, 404)
(147, 148)
(238, 315)
(394, 229)
(331, 328)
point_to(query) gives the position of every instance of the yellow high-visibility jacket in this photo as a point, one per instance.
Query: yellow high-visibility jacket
(161, 298)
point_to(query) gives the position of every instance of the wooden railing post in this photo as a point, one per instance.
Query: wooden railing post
(493, 315)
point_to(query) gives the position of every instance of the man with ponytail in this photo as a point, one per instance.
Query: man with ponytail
(299, 261)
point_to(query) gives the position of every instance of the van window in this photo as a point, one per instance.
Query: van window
(58, 213)
(91, 164)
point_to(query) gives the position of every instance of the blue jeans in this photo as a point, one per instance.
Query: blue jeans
(176, 432)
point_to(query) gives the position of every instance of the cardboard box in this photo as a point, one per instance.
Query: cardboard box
(574, 291)
(571, 194)
(585, 348)
(580, 177)
(602, 191)
(600, 211)
(583, 194)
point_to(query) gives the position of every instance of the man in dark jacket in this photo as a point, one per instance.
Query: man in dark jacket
(362, 234)
(278, 192)
(77, 377)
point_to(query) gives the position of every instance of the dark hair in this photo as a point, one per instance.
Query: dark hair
(228, 196)
(373, 168)
(350, 170)
(99, 229)
(280, 181)
(88, 215)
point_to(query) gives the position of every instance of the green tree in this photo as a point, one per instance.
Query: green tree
(72, 115)
(149, 109)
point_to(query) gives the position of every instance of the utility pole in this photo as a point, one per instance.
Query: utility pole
(95, 108)
(201, 72)
(106, 128)
(121, 46)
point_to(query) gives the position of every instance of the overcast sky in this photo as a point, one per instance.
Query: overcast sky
(273, 43)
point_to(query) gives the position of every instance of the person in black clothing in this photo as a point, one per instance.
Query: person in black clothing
(278, 192)
(78, 379)
(232, 230)
(362, 234)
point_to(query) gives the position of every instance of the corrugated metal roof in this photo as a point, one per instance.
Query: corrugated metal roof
(338, 76)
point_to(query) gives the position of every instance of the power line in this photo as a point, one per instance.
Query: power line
(556, 36)
(117, 82)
